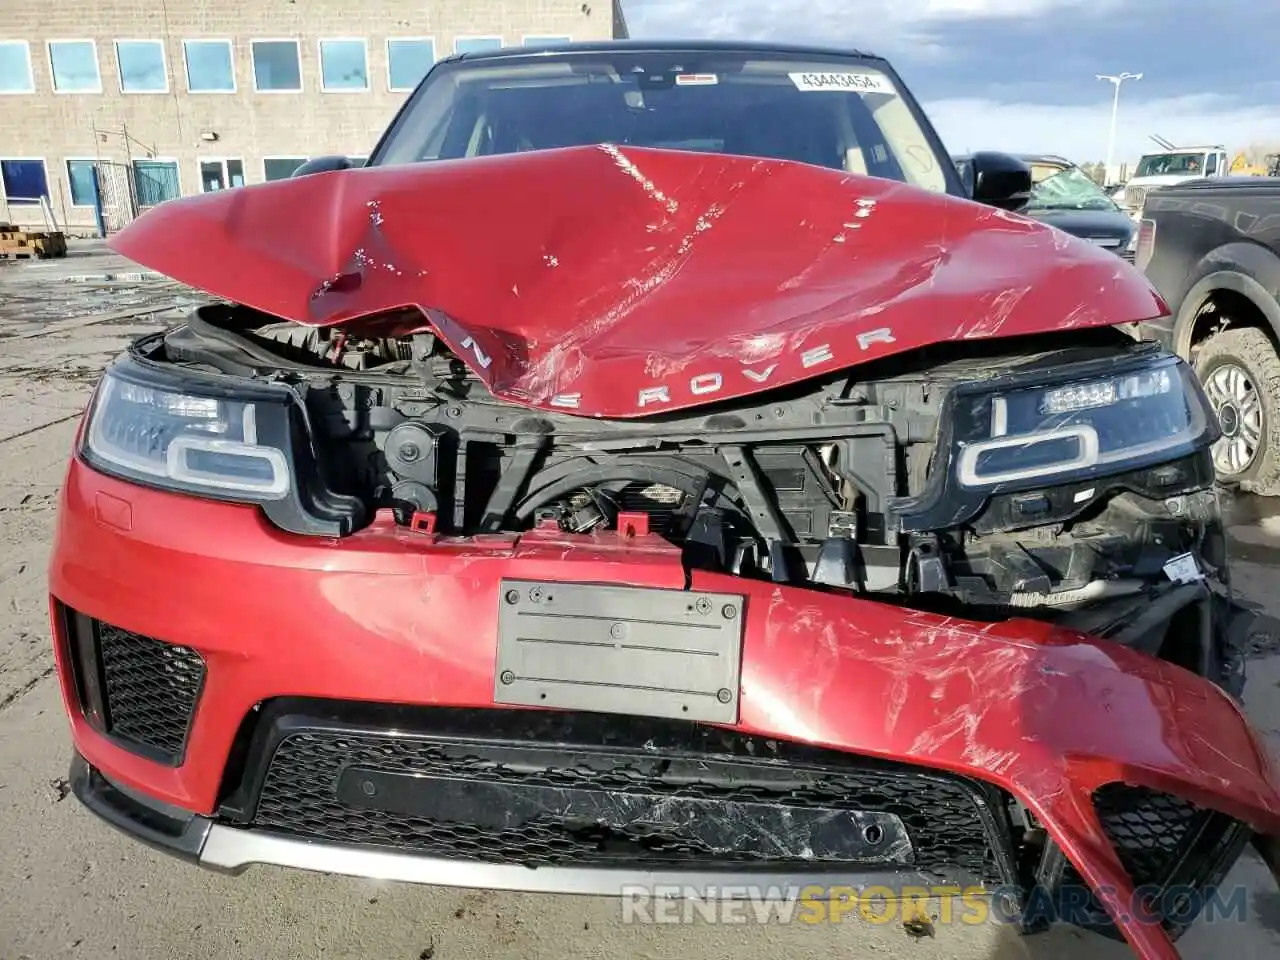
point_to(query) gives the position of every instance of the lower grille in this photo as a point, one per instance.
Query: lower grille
(151, 689)
(137, 690)
(542, 788)
(1171, 849)
(1147, 828)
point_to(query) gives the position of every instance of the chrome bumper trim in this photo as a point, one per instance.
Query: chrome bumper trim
(234, 849)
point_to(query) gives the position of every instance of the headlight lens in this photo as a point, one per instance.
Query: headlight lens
(203, 444)
(1099, 424)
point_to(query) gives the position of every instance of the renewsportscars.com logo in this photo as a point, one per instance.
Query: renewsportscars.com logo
(944, 905)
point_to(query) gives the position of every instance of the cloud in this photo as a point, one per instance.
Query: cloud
(880, 24)
(1020, 74)
(1080, 132)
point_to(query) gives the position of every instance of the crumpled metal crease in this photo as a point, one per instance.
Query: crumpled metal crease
(621, 282)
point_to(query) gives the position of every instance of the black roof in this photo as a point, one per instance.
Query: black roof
(667, 46)
(1025, 158)
(1044, 158)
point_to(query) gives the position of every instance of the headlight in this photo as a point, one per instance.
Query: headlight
(1129, 419)
(1064, 432)
(198, 443)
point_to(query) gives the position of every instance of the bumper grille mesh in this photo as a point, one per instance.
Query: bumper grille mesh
(1164, 843)
(299, 795)
(1146, 827)
(150, 688)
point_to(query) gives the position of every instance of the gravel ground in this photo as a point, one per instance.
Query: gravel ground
(78, 889)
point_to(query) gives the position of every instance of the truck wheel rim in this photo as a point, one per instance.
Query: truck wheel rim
(1239, 408)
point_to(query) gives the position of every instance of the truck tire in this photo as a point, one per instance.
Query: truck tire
(1240, 373)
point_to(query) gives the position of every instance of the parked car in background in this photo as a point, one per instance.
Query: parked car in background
(1066, 197)
(1157, 170)
(1212, 249)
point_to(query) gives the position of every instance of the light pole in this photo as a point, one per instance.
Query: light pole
(1115, 80)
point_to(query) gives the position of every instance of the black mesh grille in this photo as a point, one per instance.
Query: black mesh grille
(1164, 843)
(151, 690)
(1146, 827)
(946, 818)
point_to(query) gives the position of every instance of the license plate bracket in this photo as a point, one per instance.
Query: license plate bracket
(641, 651)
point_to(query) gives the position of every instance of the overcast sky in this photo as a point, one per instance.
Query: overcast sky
(1020, 74)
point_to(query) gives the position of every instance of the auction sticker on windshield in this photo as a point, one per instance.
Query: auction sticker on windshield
(696, 79)
(856, 82)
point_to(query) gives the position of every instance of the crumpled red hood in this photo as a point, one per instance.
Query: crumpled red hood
(622, 282)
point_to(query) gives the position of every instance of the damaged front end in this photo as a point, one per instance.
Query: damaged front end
(864, 411)
(897, 427)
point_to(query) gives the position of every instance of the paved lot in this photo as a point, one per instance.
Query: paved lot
(74, 888)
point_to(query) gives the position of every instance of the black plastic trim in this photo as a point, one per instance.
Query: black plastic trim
(179, 833)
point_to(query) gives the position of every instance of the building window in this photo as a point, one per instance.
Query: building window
(276, 66)
(408, 60)
(74, 66)
(155, 181)
(546, 41)
(15, 67)
(220, 174)
(344, 65)
(476, 44)
(142, 66)
(80, 182)
(209, 66)
(24, 181)
(281, 168)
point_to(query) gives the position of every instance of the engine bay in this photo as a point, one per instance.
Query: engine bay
(832, 483)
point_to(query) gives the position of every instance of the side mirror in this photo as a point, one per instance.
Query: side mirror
(1000, 180)
(323, 165)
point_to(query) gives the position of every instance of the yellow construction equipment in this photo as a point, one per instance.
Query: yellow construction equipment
(1242, 167)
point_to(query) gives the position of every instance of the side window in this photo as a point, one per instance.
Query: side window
(1211, 165)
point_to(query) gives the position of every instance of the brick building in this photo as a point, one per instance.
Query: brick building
(177, 97)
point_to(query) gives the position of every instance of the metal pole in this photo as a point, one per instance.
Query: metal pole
(1115, 80)
(98, 213)
(1111, 137)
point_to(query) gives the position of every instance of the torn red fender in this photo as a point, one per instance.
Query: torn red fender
(619, 282)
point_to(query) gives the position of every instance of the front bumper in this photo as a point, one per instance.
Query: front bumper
(394, 617)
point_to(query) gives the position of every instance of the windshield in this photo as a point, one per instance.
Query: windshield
(1162, 164)
(841, 113)
(1066, 188)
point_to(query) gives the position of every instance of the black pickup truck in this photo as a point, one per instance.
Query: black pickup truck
(1212, 249)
